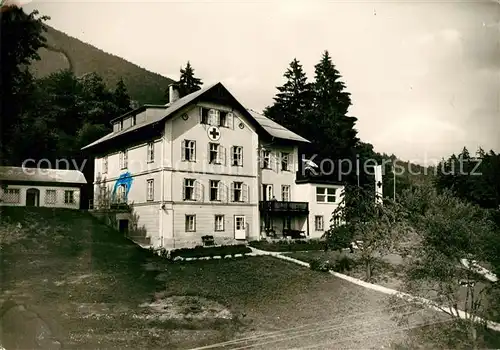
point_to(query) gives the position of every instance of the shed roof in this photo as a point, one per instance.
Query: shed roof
(275, 129)
(21, 174)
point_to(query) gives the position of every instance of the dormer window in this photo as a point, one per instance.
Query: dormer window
(119, 125)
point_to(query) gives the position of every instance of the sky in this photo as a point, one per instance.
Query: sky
(424, 76)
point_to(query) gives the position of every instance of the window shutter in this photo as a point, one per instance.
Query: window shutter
(244, 194)
(229, 120)
(194, 150)
(273, 160)
(184, 189)
(222, 155)
(223, 192)
(217, 119)
(183, 152)
(76, 196)
(261, 158)
(201, 114)
(232, 191)
(291, 161)
(208, 152)
(198, 188)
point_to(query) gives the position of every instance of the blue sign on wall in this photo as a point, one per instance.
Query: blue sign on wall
(124, 179)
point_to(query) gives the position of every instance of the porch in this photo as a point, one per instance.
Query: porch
(284, 219)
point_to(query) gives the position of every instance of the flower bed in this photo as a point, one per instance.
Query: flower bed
(200, 251)
(288, 246)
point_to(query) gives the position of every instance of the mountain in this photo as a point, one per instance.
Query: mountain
(66, 52)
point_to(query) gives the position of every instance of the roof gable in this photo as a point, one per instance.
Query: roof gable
(216, 93)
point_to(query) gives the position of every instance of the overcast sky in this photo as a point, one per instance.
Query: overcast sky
(424, 76)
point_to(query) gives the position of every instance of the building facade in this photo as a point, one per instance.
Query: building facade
(203, 165)
(34, 187)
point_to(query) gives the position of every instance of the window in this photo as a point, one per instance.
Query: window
(325, 195)
(123, 159)
(268, 192)
(285, 193)
(188, 189)
(237, 156)
(188, 150)
(214, 190)
(285, 157)
(213, 117)
(151, 190)
(214, 153)
(204, 115)
(69, 197)
(12, 195)
(105, 165)
(266, 159)
(190, 223)
(318, 223)
(121, 193)
(287, 223)
(219, 223)
(223, 119)
(151, 152)
(237, 191)
(50, 196)
(336, 221)
(133, 120)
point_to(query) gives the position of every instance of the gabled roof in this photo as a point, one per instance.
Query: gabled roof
(260, 122)
(20, 174)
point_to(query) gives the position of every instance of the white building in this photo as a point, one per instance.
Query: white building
(205, 165)
(37, 187)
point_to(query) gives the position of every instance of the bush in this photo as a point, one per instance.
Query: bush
(320, 265)
(288, 246)
(343, 264)
(340, 265)
(200, 251)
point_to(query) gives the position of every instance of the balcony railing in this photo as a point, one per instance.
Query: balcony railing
(284, 207)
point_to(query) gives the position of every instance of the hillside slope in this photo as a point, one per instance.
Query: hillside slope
(66, 52)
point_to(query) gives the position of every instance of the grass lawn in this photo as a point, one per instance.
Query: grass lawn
(99, 290)
(389, 273)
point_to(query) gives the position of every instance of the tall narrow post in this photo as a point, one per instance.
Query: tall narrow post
(394, 180)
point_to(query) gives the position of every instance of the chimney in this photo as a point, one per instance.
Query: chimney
(173, 93)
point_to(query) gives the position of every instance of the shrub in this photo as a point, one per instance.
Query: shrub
(200, 251)
(343, 264)
(288, 246)
(320, 265)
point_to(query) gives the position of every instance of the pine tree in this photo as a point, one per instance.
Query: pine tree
(188, 83)
(336, 137)
(121, 98)
(293, 100)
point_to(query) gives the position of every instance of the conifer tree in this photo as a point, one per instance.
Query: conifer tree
(336, 135)
(121, 98)
(188, 83)
(293, 100)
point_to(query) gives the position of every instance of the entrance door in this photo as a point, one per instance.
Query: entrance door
(123, 226)
(32, 197)
(240, 231)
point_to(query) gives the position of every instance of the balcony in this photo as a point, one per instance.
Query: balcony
(284, 207)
